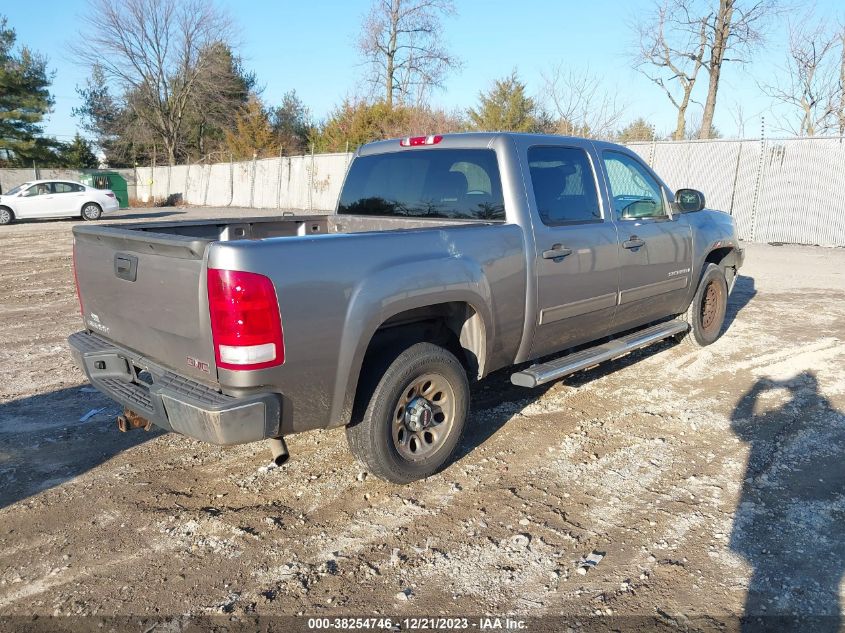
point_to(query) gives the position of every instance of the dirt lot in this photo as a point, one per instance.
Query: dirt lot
(713, 480)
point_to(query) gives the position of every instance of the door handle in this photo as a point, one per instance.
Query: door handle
(557, 252)
(633, 242)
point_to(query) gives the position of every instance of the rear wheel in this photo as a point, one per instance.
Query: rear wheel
(706, 313)
(415, 417)
(6, 216)
(91, 211)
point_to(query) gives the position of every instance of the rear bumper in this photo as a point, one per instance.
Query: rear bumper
(173, 402)
(111, 206)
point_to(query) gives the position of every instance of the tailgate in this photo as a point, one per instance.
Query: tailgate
(147, 292)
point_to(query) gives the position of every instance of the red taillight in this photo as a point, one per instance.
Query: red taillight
(413, 141)
(245, 321)
(110, 194)
(76, 282)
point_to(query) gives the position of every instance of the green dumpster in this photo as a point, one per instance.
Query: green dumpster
(108, 180)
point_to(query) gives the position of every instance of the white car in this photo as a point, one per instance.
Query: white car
(55, 199)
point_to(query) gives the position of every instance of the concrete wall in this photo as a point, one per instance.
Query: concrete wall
(13, 177)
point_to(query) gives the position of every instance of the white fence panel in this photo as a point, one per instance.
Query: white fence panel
(777, 190)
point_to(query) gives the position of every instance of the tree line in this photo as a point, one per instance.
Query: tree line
(167, 85)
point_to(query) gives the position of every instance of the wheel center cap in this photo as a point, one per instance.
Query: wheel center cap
(418, 414)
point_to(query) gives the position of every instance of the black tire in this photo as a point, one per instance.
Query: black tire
(706, 313)
(6, 216)
(384, 439)
(91, 211)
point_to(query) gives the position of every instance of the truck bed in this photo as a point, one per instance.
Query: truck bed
(226, 229)
(143, 286)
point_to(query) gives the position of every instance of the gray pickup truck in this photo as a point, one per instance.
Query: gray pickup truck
(448, 257)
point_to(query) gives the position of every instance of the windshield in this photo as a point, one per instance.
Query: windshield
(14, 190)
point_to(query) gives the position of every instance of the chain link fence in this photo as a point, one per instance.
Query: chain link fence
(778, 190)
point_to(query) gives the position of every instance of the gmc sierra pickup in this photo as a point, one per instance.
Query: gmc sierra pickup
(448, 257)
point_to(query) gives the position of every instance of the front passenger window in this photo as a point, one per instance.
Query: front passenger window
(636, 194)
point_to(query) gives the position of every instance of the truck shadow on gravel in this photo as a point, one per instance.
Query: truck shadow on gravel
(790, 521)
(743, 292)
(43, 443)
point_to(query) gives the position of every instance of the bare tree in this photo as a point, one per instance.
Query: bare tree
(161, 52)
(670, 53)
(809, 83)
(580, 103)
(401, 42)
(841, 113)
(684, 36)
(738, 114)
(732, 33)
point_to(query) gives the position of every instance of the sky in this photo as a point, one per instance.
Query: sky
(310, 47)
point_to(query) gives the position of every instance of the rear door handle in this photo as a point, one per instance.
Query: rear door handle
(633, 242)
(557, 252)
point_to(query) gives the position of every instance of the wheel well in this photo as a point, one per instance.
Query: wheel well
(726, 259)
(3, 206)
(722, 257)
(455, 326)
(97, 204)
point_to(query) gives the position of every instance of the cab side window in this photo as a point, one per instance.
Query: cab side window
(41, 189)
(635, 192)
(564, 185)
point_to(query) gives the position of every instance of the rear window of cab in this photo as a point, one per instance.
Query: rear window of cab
(435, 183)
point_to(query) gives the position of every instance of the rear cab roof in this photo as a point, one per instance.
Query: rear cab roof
(480, 140)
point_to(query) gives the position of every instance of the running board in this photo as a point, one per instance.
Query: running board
(569, 364)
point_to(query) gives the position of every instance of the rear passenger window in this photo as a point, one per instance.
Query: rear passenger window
(564, 186)
(434, 183)
(62, 187)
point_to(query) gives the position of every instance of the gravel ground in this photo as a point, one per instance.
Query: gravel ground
(712, 480)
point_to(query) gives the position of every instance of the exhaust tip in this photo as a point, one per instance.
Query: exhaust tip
(279, 450)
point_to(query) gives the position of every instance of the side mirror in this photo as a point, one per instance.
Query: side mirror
(688, 200)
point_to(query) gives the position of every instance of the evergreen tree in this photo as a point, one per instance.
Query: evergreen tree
(252, 134)
(292, 124)
(353, 124)
(111, 124)
(506, 108)
(78, 154)
(24, 100)
(637, 130)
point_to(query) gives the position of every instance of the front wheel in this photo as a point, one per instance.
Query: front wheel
(6, 216)
(415, 417)
(91, 211)
(706, 313)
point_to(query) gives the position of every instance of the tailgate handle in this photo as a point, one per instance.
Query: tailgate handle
(126, 266)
